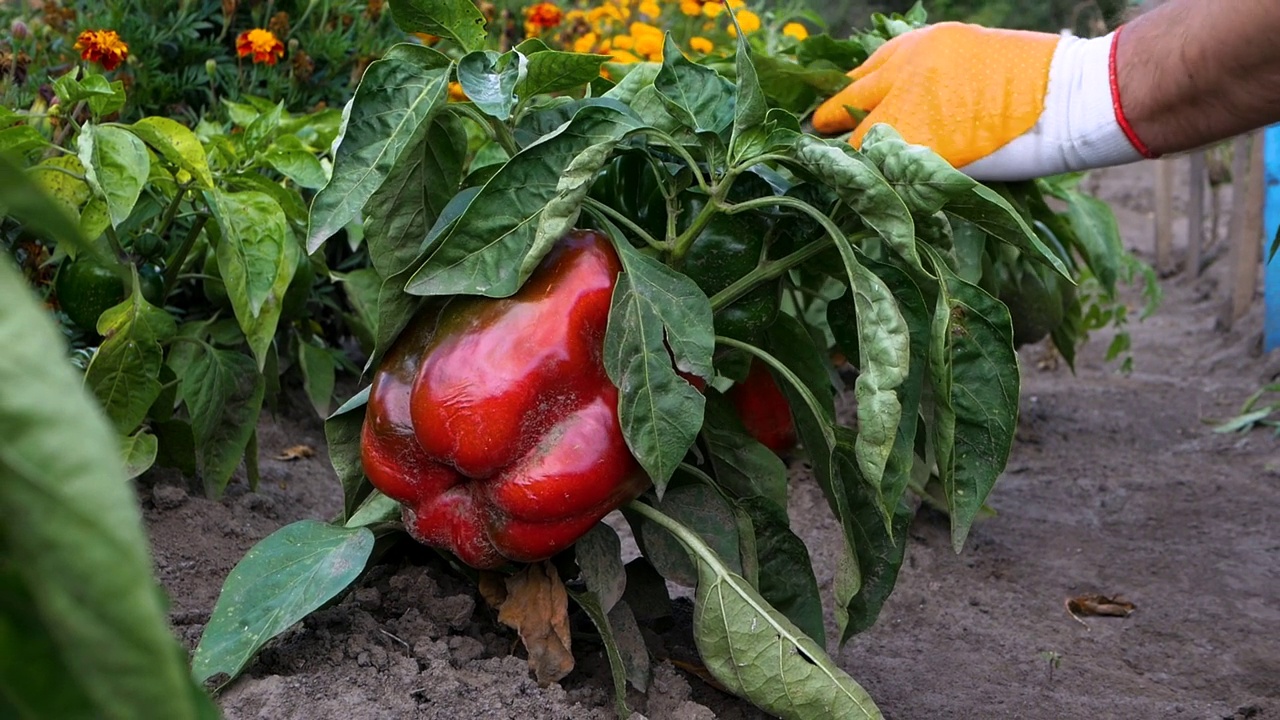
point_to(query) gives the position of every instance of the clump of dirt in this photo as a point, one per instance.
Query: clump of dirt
(1117, 486)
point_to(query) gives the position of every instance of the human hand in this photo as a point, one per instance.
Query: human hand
(998, 104)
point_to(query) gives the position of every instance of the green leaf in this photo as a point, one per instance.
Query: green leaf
(22, 199)
(787, 581)
(697, 506)
(743, 466)
(396, 97)
(18, 141)
(116, 166)
(864, 190)
(976, 389)
(124, 373)
(755, 651)
(177, 446)
(223, 391)
(623, 644)
(923, 180)
(342, 437)
(375, 510)
(555, 71)
(599, 556)
(749, 105)
(1098, 236)
(319, 372)
(53, 178)
(139, 452)
(500, 237)
(299, 166)
(490, 80)
(286, 576)
(991, 212)
(257, 259)
(73, 537)
(795, 87)
(263, 128)
(641, 76)
(414, 194)
(880, 547)
(699, 97)
(844, 54)
(657, 314)
(177, 145)
(458, 20)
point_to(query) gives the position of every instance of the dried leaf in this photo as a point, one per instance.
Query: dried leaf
(297, 452)
(1099, 605)
(493, 588)
(537, 607)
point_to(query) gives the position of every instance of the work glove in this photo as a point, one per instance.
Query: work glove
(997, 104)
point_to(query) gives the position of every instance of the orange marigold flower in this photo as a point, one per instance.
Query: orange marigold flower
(456, 94)
(650, 8)
(699, 44)
(543, 15)
(622, 56)
(103, 47)
(263, 45)
(586, 43)
(749, 21)
(691, 7)
(647, 40)
(712, 9)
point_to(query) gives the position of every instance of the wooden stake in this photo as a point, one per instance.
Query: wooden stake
(1199, 177)
(1164, 217)
(1248, 191)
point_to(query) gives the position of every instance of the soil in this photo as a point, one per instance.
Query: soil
(1117, 485)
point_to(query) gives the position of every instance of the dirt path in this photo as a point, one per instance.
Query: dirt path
(1116, 485)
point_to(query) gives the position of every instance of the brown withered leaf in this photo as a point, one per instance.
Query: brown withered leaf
(493, 588)
(537, 607)
(1099, 605)
(297, 452)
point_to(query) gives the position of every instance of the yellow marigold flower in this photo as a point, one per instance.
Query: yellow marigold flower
(795, 30)
(624, 42)
(650, 8)
(103, 47)
(456, 94)
(692, 8)
(263, 45)
(585, 43)
(574, 15)
(543, 15)
(735, 4)
(699, 44)
(712, 9)
(749, 21)
(622, 56)
(606, 11)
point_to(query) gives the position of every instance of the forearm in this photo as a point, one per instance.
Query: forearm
(1192, 72)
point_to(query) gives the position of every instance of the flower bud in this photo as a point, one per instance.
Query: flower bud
(211, 67)
(19, 30)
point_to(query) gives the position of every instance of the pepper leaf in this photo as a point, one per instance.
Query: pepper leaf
(342, 436)
(976, 389)
(125, 370)
(257, 259)
(754, 650)
(75, 573)
(704, 511)
(396, 97)
(702, 99)
(787, 581)
(176, 144)
(750, 106)
(281, 580)
(495, 244)
(657, 314)
(863, 189)
(555, 71)
(458, 20)
(599, 555)
(623, 645)
(223, 391)
(414, 194)
(116, 166)
(490, 80)
(992, 212)
(880, 547)
(742, 465)
(920, 176)
(319, 374)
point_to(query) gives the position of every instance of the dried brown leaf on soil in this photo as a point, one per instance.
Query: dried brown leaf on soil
(1099, 605)
(537, 607)
(296, 452)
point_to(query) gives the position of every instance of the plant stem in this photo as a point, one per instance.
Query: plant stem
(686, 537)
(174, 265)
(626, 222)
(766, 271)
(116, 247)
(172, 210)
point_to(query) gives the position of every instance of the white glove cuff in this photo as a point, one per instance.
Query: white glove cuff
(1081, 127)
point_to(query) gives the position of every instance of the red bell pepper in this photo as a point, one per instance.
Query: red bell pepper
(764, 409)
(493, 422)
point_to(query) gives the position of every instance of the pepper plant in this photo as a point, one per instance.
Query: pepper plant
(725, 240)
(200, 299)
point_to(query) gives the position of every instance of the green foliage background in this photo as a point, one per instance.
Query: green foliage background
(1047, 15)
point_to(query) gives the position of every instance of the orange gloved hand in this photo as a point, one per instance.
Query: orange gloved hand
(998, 104)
